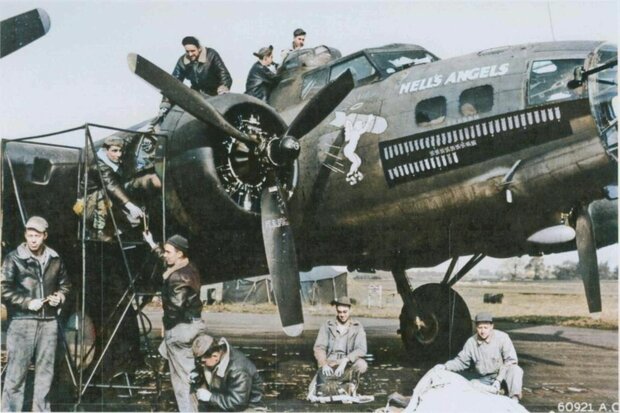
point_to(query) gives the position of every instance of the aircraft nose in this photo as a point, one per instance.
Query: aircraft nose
(603, 95)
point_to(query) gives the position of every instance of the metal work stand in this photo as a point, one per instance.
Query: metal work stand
(81, 370)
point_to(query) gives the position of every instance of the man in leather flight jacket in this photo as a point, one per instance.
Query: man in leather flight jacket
(203, 67)
(182, 322)
(111, 180)
(34, 284)
(224, 378)
(261, 80)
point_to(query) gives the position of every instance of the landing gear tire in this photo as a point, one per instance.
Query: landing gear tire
(439, 329)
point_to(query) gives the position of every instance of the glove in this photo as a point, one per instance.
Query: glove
(35, 304)
(194, 376)
(134, 211)
(56, 299)
(341, 367)
(203, 394)
(496, 385)
(327, 370)
(148, 237)
(222, 89)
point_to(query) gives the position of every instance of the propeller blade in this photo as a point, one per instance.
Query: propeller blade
(282, 259)
(190, 100)
(18, 31)
(321, 105)
(588, 263)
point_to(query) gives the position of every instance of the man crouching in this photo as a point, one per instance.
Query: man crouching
(224, 378)
(339, 350)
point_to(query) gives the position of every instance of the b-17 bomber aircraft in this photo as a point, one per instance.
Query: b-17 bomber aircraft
(388, 158)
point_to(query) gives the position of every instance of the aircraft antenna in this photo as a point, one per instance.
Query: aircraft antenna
(550, 20)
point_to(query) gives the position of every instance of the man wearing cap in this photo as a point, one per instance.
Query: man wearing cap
(339, 348)
(299, 38)
(261, 79)
(34, 284)
(182, 306)
(203, 67)
(492, 355)
(224, 378)
(109, 165)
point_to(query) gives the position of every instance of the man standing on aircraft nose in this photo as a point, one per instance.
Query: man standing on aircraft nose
(203, 67)
(34, 283)
(261, 79)
(299, 39)
(182, 321)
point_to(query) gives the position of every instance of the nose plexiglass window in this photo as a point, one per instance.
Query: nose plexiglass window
(549, 81)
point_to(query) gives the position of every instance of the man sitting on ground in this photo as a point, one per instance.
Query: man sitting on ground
(492, 355)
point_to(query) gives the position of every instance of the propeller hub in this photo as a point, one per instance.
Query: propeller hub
(283, 150)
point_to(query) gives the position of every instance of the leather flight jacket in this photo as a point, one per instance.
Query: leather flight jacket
(235, 387)
(206, 74)
(180, 296)
(261, 81)
(112, 181)
(23, 280)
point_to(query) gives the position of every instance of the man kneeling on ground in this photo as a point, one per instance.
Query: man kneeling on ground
(493, 357)
(224, 379)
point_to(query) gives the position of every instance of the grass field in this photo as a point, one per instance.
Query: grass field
(538, 302)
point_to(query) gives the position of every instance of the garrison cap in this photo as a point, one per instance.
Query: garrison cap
(179, 242)
(344, 300)
(484, 317)
(263, 51)
(39, 224)
(202, 343)
(113, 141)
(298, 32)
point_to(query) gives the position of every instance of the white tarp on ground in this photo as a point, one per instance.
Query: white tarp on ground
(444, 391)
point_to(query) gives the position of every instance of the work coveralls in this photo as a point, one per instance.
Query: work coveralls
(493, 359)
(331, 347)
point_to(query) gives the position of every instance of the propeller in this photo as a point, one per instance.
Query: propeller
(278, 235)
(321, 105)
(18, 31)
(190, 100)
(588, 263)
(281, 258)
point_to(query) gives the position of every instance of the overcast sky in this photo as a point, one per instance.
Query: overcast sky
(78, 72)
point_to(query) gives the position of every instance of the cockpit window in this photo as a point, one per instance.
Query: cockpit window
(360, 67)
(549, 79)
(313, 82)
(392, 62)
(312, 57)
(296, 59)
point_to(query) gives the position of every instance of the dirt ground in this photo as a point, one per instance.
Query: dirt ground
(562, 365)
